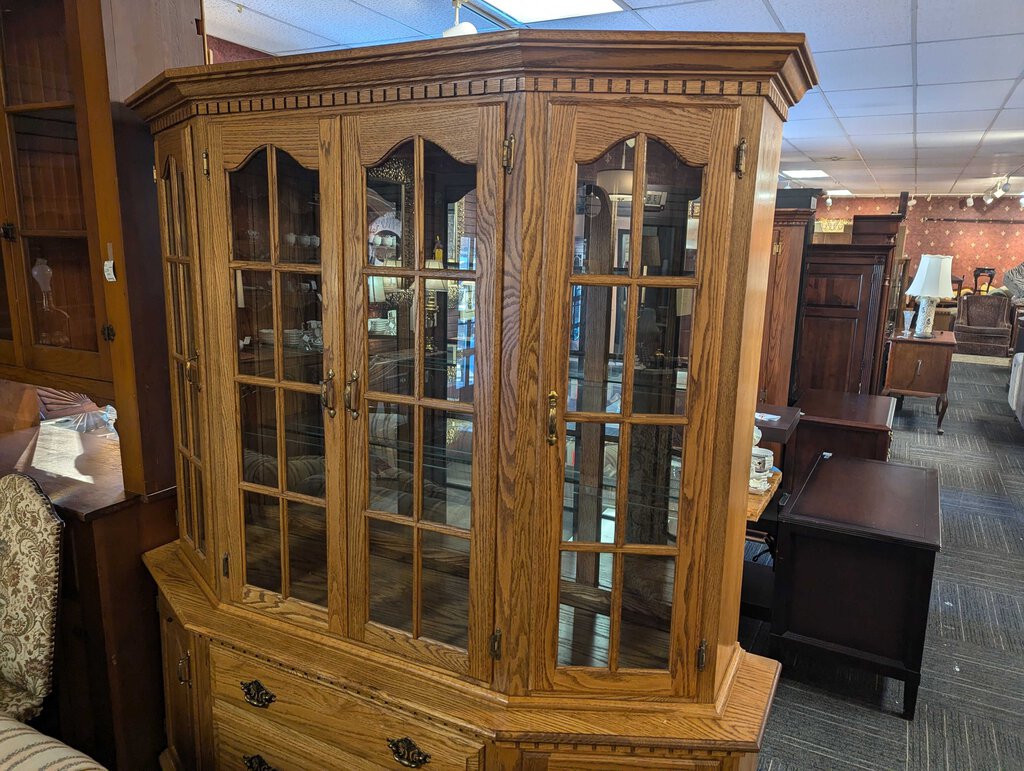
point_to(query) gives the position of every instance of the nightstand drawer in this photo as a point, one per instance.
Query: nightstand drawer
(325, 712)
(916, 367)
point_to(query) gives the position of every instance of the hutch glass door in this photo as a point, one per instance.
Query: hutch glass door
(420, 267)
(281, 382)
(175, 193)
(634, 246)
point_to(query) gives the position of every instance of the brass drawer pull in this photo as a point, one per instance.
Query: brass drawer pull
(552, 418)
(917, 372)
(327, 393)
(407, 753)
(257, 694)
(256, 763)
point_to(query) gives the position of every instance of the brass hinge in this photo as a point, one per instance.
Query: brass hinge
(206, 164)
(741, 158)
(154, 174)
(107, 331)
(495, 645)
(224, 565)
(702, 655)
(508, 153)
(777, 248)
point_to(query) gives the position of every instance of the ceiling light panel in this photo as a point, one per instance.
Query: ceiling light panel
(527, 11)
(805, 173)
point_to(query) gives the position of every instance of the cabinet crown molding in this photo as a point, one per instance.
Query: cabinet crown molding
(776, 66)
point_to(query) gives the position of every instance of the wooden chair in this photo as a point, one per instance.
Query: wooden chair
(30, 534)
(990, 273)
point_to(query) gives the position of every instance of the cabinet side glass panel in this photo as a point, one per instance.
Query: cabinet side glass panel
(49, 176)
(249, 207)
(60, 293)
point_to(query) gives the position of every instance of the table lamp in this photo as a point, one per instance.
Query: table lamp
(934, 281)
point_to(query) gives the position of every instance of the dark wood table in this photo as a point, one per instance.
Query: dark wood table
(919, 366)
(777, 431)
(853, 570)
(107, 684)
(854, 425)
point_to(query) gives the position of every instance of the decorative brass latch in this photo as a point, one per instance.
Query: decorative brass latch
(552, 417)
(741, 158)
(407, 753)
(257, 694)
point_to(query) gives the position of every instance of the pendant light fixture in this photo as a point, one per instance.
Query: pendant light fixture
(460, 27)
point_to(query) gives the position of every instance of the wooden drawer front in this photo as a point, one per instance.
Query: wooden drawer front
(919, 368)
(354, 724)
(243, 741)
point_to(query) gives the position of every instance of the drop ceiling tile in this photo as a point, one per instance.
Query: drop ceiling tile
(880, 124)
(824, 147)
(650, 3)
(865, 68)
(958, 61)
(820, 127)
(720, 15)
(874, 141)
(839, 24)
(1010, 120)
(262, 32)
(971, 120)
(1010, 142)
(871, 101)
(1017, 97)
(985, 95)
(627, 20)
(945, 19)
(427, 17)
(811, 106)
(949, 139)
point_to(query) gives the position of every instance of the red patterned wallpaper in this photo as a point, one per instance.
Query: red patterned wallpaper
(226, 51)
(972, 244)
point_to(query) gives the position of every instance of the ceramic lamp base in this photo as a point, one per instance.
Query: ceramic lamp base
(925, 316)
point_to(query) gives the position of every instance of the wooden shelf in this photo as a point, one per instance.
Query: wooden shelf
(758, 502)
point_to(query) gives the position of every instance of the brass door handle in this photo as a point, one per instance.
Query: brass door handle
(552, 418)
(350, 395)
(185, 669)
(191, 369)
(327, 394)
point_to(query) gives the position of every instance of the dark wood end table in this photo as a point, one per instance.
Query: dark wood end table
(919, 366)
(853, 569)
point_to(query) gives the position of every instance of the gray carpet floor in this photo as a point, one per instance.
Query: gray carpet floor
(970, 709)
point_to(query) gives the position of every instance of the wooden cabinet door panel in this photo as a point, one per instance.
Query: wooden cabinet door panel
(179, 704)
(839, 318)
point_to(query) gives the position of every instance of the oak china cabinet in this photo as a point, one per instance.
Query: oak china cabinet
(464, 346)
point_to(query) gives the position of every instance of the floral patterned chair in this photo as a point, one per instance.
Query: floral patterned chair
(30, 533)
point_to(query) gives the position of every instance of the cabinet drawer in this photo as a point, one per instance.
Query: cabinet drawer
(243, 740)
(918, 368)
(354, 724)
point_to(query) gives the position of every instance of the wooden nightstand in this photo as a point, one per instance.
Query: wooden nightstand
(919, 366)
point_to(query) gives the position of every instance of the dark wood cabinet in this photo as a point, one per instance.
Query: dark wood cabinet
(789, 237)
(839, 317)
(856, 553)
(920, 367)
(852, 425)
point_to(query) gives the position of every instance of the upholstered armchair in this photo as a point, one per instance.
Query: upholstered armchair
(30, 533)
(983, 325)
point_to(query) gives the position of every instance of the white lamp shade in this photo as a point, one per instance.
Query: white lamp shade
(617, 183)
(934, 277)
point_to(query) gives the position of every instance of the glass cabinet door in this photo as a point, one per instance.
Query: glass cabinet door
(634, 250)
(47, 210)
(421, 274)
(281, 383)
(175, 194)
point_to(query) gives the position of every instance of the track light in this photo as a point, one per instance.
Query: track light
(912, 201)
(987, 198)
(461, 27)
(969, 200)
(1021, 200)
(828, 202)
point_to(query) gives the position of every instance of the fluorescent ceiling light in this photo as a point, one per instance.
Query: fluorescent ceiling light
(805, 174)
(527, 11)
(839, 192)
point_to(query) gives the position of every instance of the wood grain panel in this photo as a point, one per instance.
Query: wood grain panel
(291, 134)
(454, 129)
(687, 131)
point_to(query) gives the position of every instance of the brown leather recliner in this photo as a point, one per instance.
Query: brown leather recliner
(983, 325)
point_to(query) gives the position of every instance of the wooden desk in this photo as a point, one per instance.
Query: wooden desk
(854, 563)
(777, 431)
(919, 366)
(758, 502)
(107, 660)
(854, 425)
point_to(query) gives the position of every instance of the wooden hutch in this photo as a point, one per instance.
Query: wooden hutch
(463, 433)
